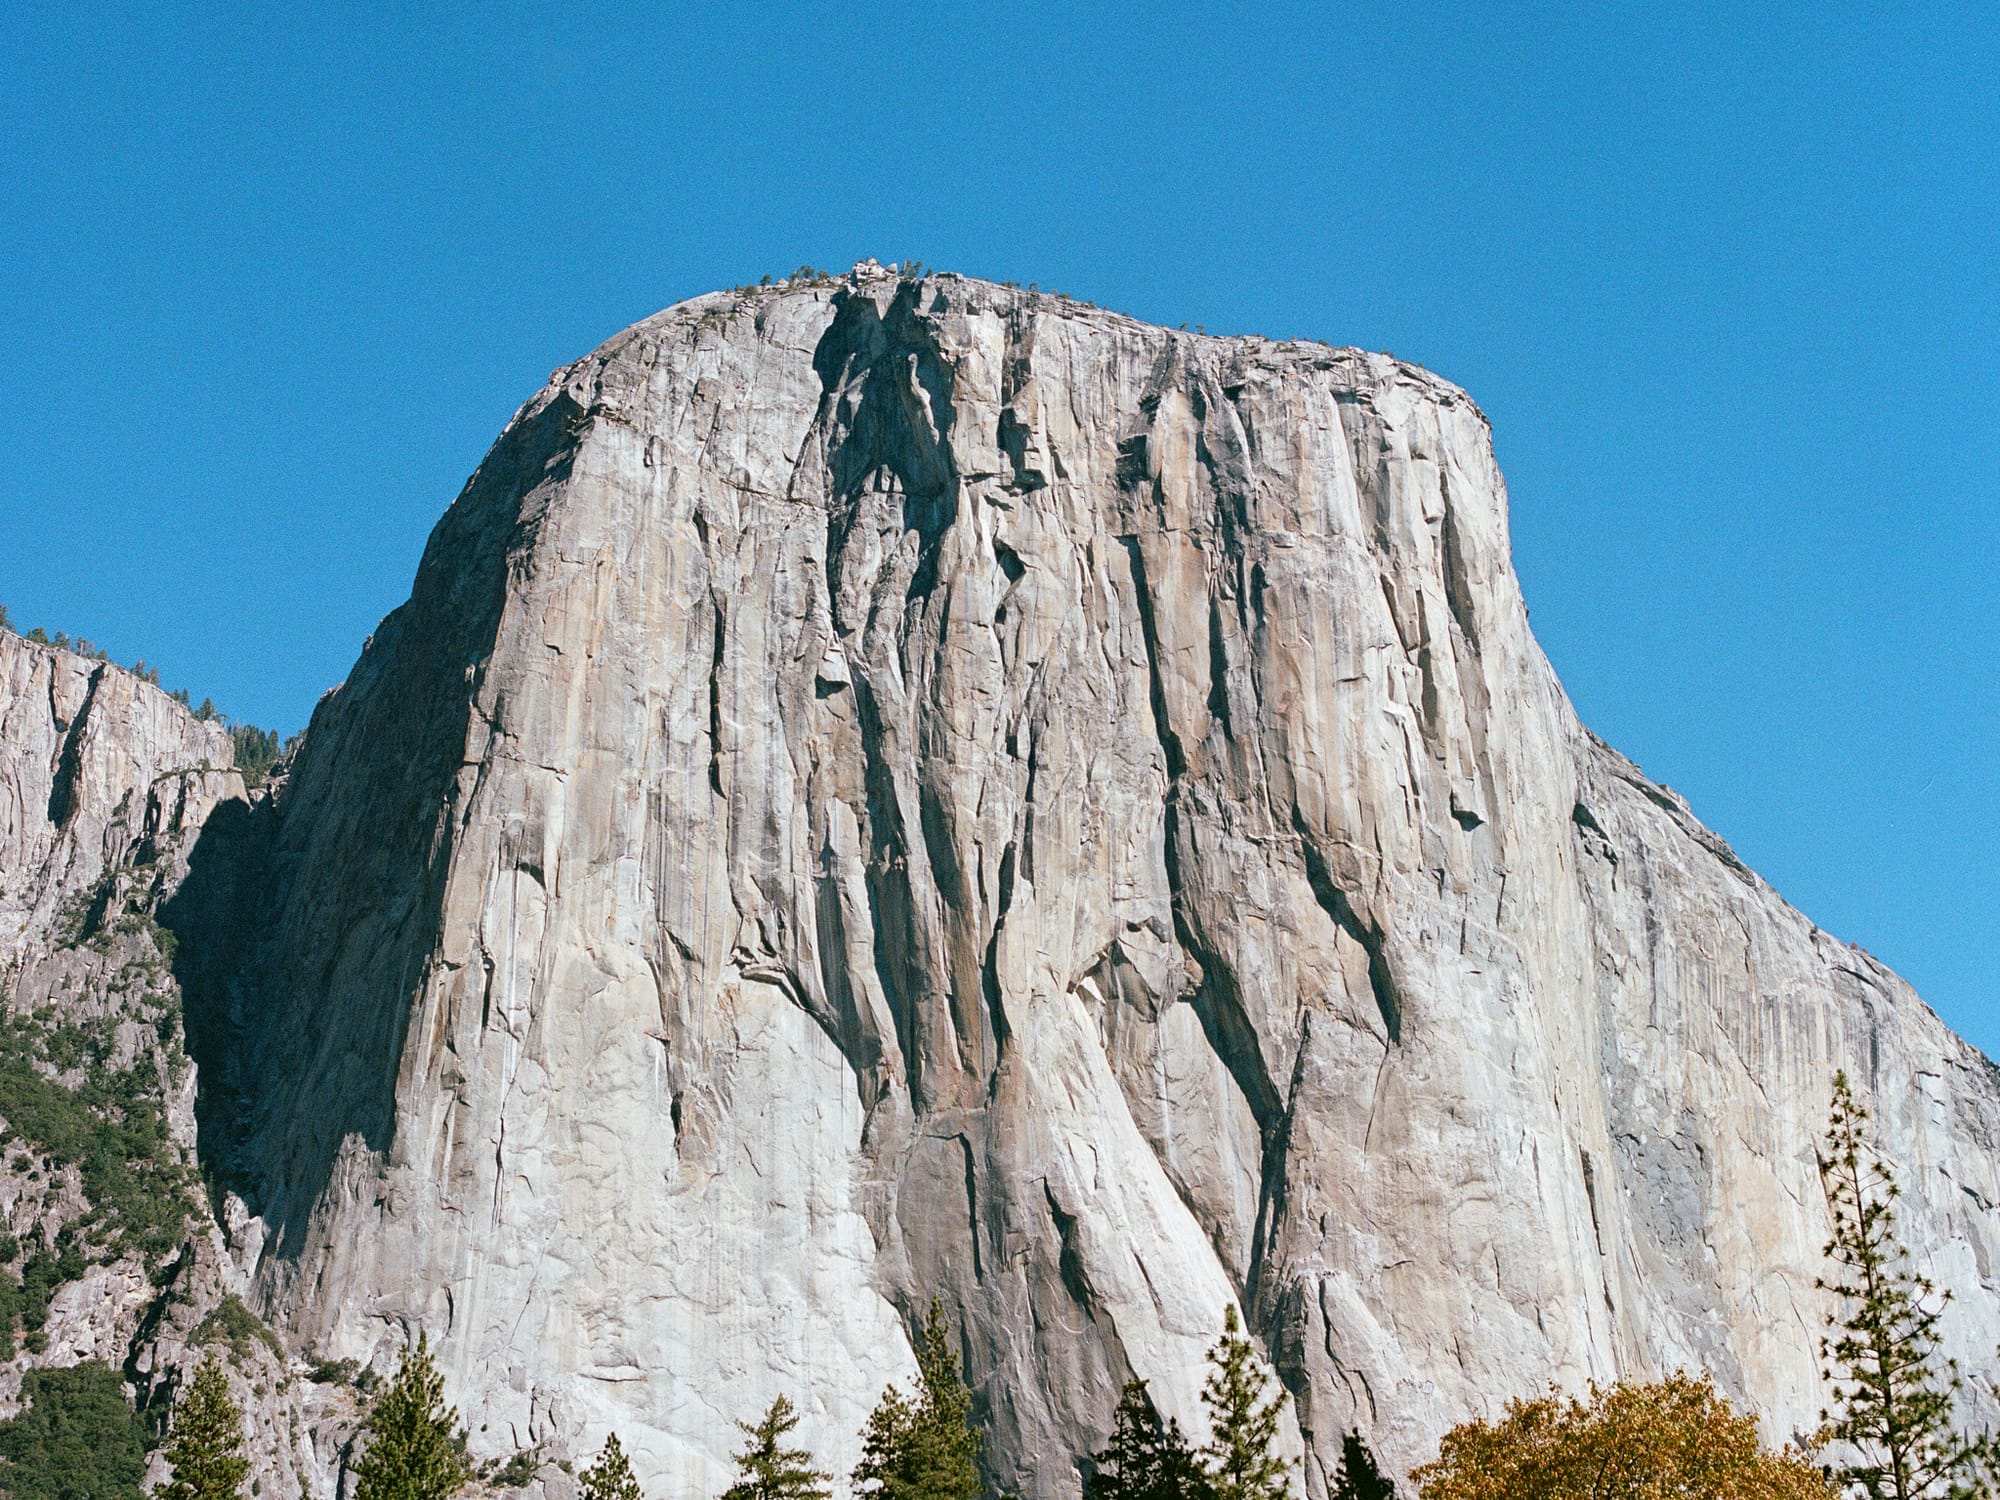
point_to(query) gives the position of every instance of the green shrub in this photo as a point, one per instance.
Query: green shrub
(111, 1126)
(78, 1437)
(235, 1325)
(516, 1470)
(925, 1446)
(82, 912)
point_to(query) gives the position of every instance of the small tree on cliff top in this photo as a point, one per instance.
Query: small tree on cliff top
(1893, 1391)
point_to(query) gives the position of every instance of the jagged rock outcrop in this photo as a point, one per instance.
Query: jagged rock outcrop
(890, 788)
(106, 786)
(101, 771)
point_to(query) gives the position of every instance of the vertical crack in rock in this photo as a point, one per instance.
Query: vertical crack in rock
(718, 626)
(1170, 742)
(63, 789)
(1335, 903)
(1217, 1001)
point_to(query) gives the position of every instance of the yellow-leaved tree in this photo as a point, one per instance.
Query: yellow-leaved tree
(1672, 1439)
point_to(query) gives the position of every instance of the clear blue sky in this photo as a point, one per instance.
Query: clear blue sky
(1729, 289)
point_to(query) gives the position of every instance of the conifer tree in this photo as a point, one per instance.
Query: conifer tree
(923, 1448)
(1358, 1477)
(767, 1470)
(610, 1478)
(205, 1440)
(886, 1440)
(1147, 1457)
(1243, 1420)
(1893, 1391)
(415, 1449)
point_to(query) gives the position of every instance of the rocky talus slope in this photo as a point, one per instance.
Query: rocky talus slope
(889, 788)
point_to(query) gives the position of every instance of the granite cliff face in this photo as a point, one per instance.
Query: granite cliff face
(105, 784)
(889, 788)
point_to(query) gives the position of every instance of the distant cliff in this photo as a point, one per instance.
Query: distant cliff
(894, 787)
(112, 1248)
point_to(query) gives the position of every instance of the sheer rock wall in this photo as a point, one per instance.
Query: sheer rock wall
(903, 788)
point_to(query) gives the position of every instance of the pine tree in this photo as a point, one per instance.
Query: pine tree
(923, 1448)
(1146, 1458)
(767, 1470)
(1893, 1391)
(205, 1442)
(1358, 1477)
(886, 1439)
(610, 1478)
(1242, 1420)
(415, 1450)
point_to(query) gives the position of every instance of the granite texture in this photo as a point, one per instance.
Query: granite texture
(892, 788)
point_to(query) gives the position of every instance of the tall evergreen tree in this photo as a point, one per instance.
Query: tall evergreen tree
(205, 1441)
(1893, 1391)
(610, 1478)
(1147, 1457)
(923, 1448)
(1243, 1420)
(767, 1470)
(416, 1450)
(1358, 1477)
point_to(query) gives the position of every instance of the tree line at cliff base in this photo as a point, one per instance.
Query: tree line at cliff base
(1892, 1432)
